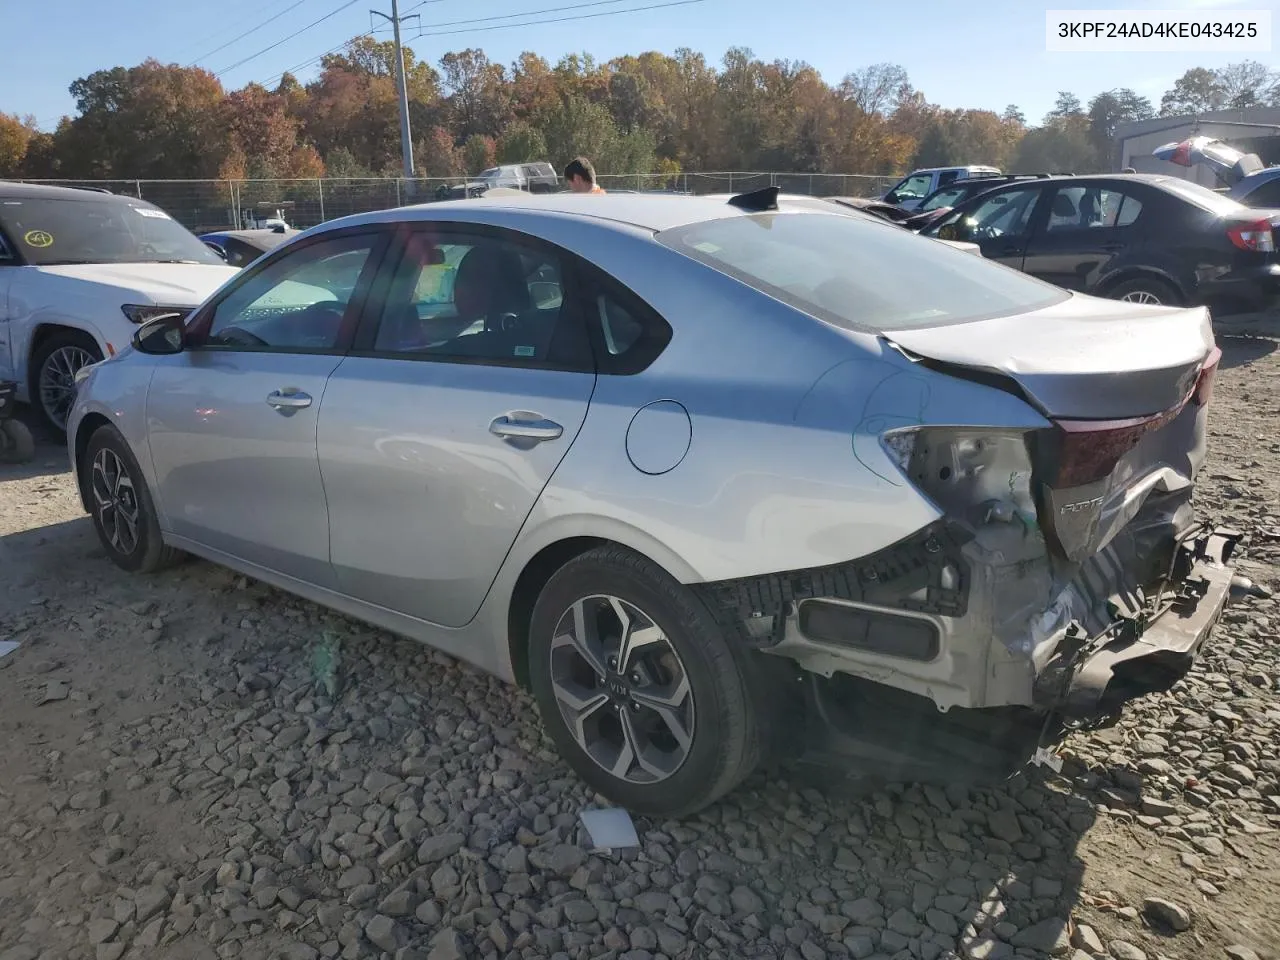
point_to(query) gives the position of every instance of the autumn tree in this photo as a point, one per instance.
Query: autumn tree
(15, 135)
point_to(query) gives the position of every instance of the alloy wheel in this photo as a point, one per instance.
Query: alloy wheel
(58, 381)
(1140, 296)
(622, 689)
(116, 502)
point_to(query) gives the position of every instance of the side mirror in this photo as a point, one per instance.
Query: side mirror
(161, 336)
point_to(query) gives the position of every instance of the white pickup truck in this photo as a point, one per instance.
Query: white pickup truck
(912, 189)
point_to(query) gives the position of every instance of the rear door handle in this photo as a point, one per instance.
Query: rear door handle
(539, 430)
(288, 399)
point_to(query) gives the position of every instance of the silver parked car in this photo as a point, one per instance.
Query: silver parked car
(722, 481)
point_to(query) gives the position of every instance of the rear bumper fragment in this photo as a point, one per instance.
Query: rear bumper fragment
(1147, 653)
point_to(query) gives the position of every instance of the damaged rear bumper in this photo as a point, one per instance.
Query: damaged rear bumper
(1150, 650)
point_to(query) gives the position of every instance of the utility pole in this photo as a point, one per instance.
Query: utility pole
(406, 139)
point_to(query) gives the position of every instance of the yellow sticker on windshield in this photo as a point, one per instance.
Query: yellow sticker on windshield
(38, 238)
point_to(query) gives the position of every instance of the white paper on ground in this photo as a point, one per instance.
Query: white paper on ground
(7, 647)
(610, 828)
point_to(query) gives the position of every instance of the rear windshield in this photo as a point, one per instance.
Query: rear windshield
(1203, 197)
(859, 273)
(49, 231)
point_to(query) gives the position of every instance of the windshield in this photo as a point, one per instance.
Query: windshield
(1217, 203)
(56, 231)
(859, 273)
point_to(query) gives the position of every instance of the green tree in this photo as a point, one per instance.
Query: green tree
(521, 143)
(1106, 112)
(1196, 91)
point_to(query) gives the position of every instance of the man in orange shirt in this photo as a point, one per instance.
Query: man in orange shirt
(580, 175)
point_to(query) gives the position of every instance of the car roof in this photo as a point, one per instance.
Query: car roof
(250, 235)
(648, 211)
(13, 190)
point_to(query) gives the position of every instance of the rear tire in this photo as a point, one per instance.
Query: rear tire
(54, 367)
(679, 701)
(124, 515)
(1148, 290)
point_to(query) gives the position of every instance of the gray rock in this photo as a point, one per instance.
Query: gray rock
(88, 800)
(903, 921)
(1239, 952)
(1004, 825)
(447, 945)
(1166, 914)
(435, 849)
(397, 853)
(745, 900)
(941, 921)
(109, 951)
(1048, 936)
(102, 930)
(1123, 950)
(399, 903)
(150, 901)
(985, 947)
(580, 911)
(385, 934)
(1086, 939)
(357, 876)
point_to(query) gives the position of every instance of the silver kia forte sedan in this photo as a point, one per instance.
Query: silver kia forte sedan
(723, 481)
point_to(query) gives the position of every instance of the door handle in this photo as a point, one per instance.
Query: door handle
(525, 429)
(291, 400)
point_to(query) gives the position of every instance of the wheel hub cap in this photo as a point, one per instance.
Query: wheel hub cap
(115, 502)
(622, 689)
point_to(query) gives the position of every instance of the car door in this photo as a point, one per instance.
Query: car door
(469, 380)
(998, 221)
(232, 419)
(1085, 230)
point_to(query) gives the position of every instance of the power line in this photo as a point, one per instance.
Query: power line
(501, 26)
(313, 23)
(247, 32)
(526, 13)
(276, 78)
(583, 16)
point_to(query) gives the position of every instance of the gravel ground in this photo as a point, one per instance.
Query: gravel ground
(209, 788)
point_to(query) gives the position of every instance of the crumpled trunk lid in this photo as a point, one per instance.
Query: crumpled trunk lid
(1124, 386)
(1082, 358)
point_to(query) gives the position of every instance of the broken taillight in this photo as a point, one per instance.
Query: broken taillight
(1204, 383)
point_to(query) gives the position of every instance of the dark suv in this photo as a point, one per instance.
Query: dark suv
(1136, 237)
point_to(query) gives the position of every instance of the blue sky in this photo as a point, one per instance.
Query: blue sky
(985, 54)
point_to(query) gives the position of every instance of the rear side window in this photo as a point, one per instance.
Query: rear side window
(628, 334)
(858, 273)
(1267, 195)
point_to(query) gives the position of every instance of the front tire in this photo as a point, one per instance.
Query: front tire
(638, 687)
(124, 514)
(56, 361)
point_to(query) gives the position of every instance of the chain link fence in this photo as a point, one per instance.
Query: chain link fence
(207, 205)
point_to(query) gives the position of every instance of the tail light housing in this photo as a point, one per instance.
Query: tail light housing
(1255, 236)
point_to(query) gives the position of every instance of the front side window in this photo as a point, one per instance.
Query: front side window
(51, 231)
(1004, 214)
(297, 304)
(915, 187)
(855, 272)
(461, 296)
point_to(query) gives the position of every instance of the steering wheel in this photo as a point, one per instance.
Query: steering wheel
(504, 322)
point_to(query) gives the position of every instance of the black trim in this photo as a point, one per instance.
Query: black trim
(873, 631)
(657, 331)
(198, 326)
(886, 578)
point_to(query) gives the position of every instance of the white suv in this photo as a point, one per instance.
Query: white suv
(79, 269)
